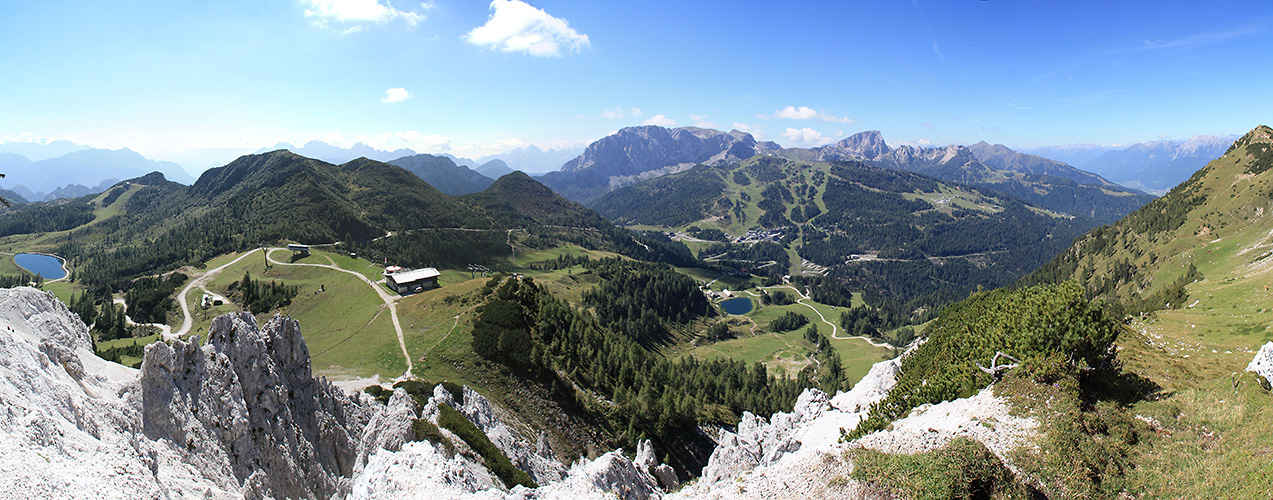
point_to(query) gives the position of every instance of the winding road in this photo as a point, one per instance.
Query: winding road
(187, 320)
(391, 301)
(834, 329)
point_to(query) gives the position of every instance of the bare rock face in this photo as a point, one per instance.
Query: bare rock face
(389, 429)
(69, 421)
(1262, 364)
(611, 474)
(542, 467)
(246, 406)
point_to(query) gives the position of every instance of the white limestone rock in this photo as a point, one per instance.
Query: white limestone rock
(69, 421)
(610, 474)
(543, 468)
(814, 424)
(983, 417)
(390, 428)
(421, 470)
(1262, 364)
(246, 403)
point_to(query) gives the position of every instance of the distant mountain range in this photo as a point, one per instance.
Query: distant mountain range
(636, 154)
(36, 151)
(78, 172)
(336, 155)
(1153, 167)
(1148, 260)
(532, 160)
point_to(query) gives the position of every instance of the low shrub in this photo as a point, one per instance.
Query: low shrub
(492, 457)
(964, 468)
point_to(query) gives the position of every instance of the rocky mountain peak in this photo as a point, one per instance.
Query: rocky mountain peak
(634, 154)
(869, 144)
(1259, 135)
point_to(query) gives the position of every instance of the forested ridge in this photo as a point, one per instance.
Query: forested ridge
(633, 391)
(935, 240)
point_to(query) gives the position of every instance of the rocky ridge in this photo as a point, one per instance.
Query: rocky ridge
(246, 406)
(241, 416)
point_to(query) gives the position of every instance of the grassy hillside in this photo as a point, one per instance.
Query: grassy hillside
(1174, 415)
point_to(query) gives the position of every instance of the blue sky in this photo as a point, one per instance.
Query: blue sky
(473, 78)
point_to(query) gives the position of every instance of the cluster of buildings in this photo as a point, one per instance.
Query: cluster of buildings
(754, 235)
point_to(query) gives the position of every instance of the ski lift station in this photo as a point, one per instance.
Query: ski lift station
(412, 280)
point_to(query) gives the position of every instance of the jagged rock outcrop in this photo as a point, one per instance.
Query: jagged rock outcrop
(245, 406)
(864, 145)
(428, 470)
(541, 466)
(390, 428)
(242, 417)
(814, 424)
(70, 425)
(646, 461)
(1262, 363)
(611, 474)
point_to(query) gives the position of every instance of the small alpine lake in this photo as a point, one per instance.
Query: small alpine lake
(47, 266)
(737, 305)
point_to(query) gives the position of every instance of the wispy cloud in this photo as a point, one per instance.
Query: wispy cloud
(1199, 39)
(396, 95)
(619, 113)
(515, 26)
(660, 120)
(932, 35)
(755, 130)
(353, 13)
(701, 121)
(804, 113)
(1194, 41)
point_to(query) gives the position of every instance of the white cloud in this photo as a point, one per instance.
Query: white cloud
(754, 130)
(805, 113)
(920, 143)
(515, 26)
(619, 113)
(806, 137)
(396, 95)
(702, 121)
(324, 12)
(660, 120)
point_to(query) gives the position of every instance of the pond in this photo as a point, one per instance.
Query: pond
(737, 305)
(48, 266)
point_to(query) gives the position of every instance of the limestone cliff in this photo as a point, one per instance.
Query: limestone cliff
(246, 405)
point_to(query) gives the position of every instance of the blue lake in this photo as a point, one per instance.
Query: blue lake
(737, 305)
(44, 265)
